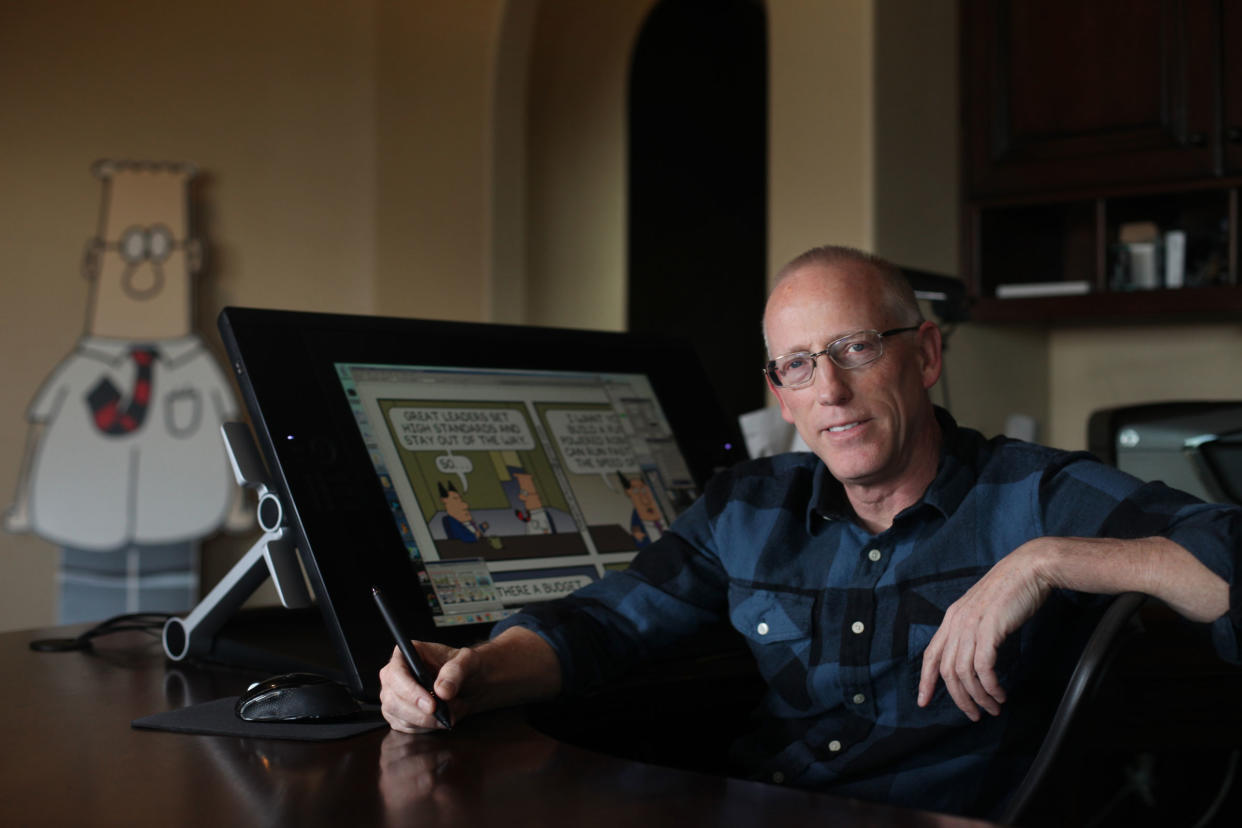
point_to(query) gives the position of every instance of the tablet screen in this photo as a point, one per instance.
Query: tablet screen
(510, 487)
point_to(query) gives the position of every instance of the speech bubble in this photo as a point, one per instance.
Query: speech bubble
(592, 442)
(461, 429)
(460, 466)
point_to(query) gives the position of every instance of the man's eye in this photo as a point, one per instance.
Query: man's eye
(793, 364)
(861, 346)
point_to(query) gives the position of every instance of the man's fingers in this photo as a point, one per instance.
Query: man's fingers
(405, 705)
(966, 670)
(985, 664)
(961, 697)
(931, 669)
(969, 677)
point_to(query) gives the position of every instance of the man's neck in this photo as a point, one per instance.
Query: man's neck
(877, 504)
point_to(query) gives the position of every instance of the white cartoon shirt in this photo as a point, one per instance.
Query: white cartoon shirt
(168, 480)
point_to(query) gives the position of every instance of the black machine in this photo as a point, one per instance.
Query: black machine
(468, 469)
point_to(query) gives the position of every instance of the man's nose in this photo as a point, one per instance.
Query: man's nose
(830, 383)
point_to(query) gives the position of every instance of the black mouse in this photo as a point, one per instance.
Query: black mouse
(296, 697)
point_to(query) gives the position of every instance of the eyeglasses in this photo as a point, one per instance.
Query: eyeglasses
(138, 244)
(850, 351)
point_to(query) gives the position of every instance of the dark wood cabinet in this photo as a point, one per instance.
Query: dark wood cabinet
(1231, 73)
(1082, 119)
(1072, 93)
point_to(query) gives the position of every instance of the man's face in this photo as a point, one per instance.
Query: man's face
(643, 500)
(526, 492)
(457, 507)
(863, 423)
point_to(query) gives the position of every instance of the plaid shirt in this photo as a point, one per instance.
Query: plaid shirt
(838, 619)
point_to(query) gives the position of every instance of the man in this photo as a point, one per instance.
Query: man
(905, 552)
(457, 521)
(646, 522)
(533, 513)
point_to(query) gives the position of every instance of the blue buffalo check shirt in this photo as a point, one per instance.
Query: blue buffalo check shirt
(838, 618)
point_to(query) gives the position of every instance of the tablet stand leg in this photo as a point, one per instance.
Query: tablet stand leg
(272, 555)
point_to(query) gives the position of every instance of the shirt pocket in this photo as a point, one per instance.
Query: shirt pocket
(183, 412)
(778, 626)
(770, 616)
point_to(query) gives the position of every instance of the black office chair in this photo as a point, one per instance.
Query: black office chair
(1087, 672)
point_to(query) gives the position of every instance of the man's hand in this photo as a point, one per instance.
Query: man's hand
(963, 651)
(403, 701)
(516, 667)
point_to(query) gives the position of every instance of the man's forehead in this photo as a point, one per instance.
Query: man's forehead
(814, 323)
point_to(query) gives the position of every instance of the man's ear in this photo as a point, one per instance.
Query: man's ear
(785, 414)
(931, 347)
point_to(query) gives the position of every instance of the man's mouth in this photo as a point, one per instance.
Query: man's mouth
(839, 428)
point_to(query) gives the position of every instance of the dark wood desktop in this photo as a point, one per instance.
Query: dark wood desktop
(70, 757)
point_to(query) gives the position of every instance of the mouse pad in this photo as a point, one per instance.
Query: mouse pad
(216, 718)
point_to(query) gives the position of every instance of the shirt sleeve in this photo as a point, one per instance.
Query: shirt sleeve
(1086, 498)
(674, 588)
(51, 394)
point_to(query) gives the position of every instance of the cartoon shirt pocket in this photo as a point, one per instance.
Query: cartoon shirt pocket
(183, 412)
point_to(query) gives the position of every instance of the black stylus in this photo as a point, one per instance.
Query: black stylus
(417, 667)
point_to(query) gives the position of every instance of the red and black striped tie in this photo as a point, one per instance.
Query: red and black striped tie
(105, 401)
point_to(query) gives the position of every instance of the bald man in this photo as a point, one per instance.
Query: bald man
(904, 588)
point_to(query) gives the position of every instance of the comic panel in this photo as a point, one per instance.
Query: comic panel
(617, 494)
(482, 481)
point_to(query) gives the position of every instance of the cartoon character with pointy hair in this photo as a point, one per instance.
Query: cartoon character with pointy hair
(458, 523)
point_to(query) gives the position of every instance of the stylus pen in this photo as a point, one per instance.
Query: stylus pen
(421, 674)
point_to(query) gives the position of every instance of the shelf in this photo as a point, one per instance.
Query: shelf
(1139, 305)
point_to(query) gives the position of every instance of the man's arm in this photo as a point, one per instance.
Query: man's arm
(515, 667)
(963, 651)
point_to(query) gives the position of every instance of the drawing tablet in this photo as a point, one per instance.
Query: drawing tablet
(469, 469)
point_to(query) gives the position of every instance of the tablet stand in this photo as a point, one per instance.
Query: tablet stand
(272, 554)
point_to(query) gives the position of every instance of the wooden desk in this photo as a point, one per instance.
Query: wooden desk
(70, 757)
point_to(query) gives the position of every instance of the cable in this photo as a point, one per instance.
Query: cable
(151, 623)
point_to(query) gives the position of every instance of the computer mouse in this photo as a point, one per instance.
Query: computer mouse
(296, 697)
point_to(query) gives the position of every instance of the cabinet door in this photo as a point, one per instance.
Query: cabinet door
(1231, 40)
(1060, 94)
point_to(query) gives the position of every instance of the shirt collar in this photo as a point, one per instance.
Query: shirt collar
(112, 350)
(947, 490)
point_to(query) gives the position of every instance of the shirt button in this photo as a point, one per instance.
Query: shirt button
(763, 628)
(874, 555)
(834, 746)
(778, 777)
(859, 698)
(857, 627)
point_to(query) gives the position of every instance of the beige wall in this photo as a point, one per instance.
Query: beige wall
(1097, 368)
(820, 126)
(576, 162)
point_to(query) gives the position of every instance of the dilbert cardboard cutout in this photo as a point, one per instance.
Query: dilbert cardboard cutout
(125, 468)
